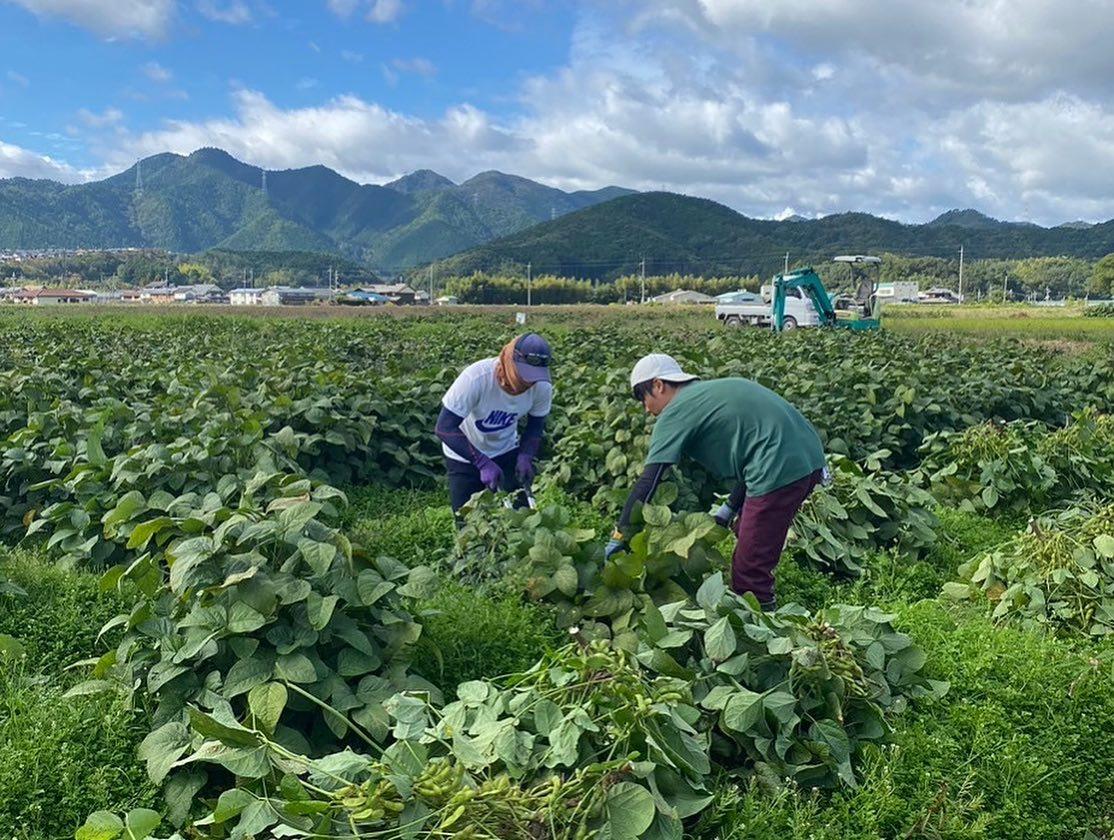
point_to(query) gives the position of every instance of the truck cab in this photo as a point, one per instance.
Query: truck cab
(799, 311)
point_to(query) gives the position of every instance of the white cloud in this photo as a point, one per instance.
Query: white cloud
(234, 12)
(352, 57)
(125, 18)
(306, 83)
(823, 71)
(109, 117)
(18, 78)
(377, 11)
(156, 72)
(384, 11)
(417, 66)
(343, 8)
(363, 140)
(949, 48)
(17, 162)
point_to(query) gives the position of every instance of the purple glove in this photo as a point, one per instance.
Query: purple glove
(524, 468)
(490, 474)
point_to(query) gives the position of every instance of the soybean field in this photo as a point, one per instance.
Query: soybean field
(234, 602)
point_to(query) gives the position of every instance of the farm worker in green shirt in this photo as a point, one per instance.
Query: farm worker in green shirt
(740, 431)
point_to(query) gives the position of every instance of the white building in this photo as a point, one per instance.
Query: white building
(200, 293)
(246, 297)
(900, 292)
(287, 296)
(52, 297)
(682, 296)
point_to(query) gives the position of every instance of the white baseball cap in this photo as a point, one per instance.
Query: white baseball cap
(658, 366)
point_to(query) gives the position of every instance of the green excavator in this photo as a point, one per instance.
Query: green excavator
(865, 308)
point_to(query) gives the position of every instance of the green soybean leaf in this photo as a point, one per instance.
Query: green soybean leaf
(266, 703)
(100, 825)
(630, 810)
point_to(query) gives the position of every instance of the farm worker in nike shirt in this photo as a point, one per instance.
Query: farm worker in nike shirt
(737, 430)
(478, 425)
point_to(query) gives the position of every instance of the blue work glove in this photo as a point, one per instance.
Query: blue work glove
(724, 515)
(614, 546)
(524, 469)
(490, 474)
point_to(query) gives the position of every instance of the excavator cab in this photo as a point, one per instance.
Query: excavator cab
(864, 282)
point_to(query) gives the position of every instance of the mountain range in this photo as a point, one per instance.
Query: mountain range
(211, 200)
(676, 233)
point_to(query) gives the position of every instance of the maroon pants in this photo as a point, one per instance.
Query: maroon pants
(762, 528)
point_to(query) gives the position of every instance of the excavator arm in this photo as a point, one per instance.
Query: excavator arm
(809, 282)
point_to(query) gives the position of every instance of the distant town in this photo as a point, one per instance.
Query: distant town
(378, 294)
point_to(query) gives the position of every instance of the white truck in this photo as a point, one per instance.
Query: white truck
(799, 311)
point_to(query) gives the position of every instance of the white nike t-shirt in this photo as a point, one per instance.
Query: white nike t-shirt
(490, 413)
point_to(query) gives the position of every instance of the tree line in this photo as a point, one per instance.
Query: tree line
(1058, 277)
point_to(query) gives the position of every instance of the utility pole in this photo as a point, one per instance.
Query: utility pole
(431, 284)
(642, 280)
(960, 273)
(529, 271)
(786, 262)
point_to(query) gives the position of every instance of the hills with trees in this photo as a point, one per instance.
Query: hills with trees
(675, 233)
(209, 200)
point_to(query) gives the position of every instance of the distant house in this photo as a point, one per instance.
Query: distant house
(201, 293)
(157, 294)
(286, 296)
(682, 296)
(394, 292)
(938, 295)
(362, 297)
(447, 300)
(245, 297)
(52, 297)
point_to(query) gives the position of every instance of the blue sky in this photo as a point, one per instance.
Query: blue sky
(298, 53)
(898, 108)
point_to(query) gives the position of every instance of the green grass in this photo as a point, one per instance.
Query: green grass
(58, 619)
(63, 758)
(414, 526)
(889, 579)
(60, 758)
(468, 634)
(1019, 748)
(373, 501)
(1014, 321)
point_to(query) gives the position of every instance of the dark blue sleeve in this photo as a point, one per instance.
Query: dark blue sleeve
(532, 435)
(643, 491)
(449, 431)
